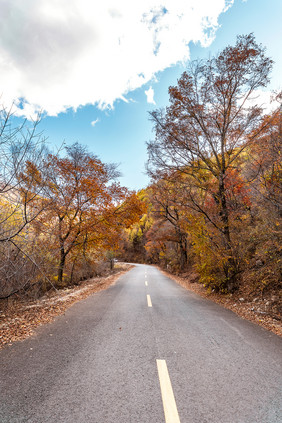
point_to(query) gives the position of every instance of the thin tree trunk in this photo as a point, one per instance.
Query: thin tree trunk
(183, 254)
(61, 265)
(230, 268)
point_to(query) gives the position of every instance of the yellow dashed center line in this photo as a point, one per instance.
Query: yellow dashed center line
(170, 409)
(149, 300)
(146, 283)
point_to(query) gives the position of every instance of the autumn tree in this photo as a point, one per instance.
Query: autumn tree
(263, 170)
(170, 219)
(22, 149)
(132, 246)
(86, 206)
(211, 120)
(264, 163)
(19, 144)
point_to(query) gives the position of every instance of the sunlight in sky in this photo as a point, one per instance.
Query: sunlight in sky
(69, 53)
(97, 68)
(150, 95)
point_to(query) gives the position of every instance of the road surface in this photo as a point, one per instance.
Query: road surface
(144, 351)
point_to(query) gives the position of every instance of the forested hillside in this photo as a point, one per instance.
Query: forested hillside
(61, 215)
(214, 206)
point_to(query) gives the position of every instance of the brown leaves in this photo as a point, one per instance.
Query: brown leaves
(85, 207)
(250, 308)
(20, 320)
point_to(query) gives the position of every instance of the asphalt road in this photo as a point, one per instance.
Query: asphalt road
(117, 358)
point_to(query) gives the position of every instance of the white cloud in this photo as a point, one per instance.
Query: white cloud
(93, 123)
(150, 95)
(264, 99)
(56, 54)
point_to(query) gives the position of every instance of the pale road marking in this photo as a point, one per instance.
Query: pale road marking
(170, 409)
(236, 331)
(149, 300)
(146, 283)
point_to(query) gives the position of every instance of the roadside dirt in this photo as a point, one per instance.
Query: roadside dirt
(262, 311)
(19, 319)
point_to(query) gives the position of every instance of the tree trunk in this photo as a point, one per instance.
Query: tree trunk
(230, 267)
(61, 265)
(183, 254)
(72, 271)
(112, 264)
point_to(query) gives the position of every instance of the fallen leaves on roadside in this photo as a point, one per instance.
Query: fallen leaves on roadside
(244, 309)
(19, 320)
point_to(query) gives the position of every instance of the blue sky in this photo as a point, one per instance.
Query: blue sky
(89, 70)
